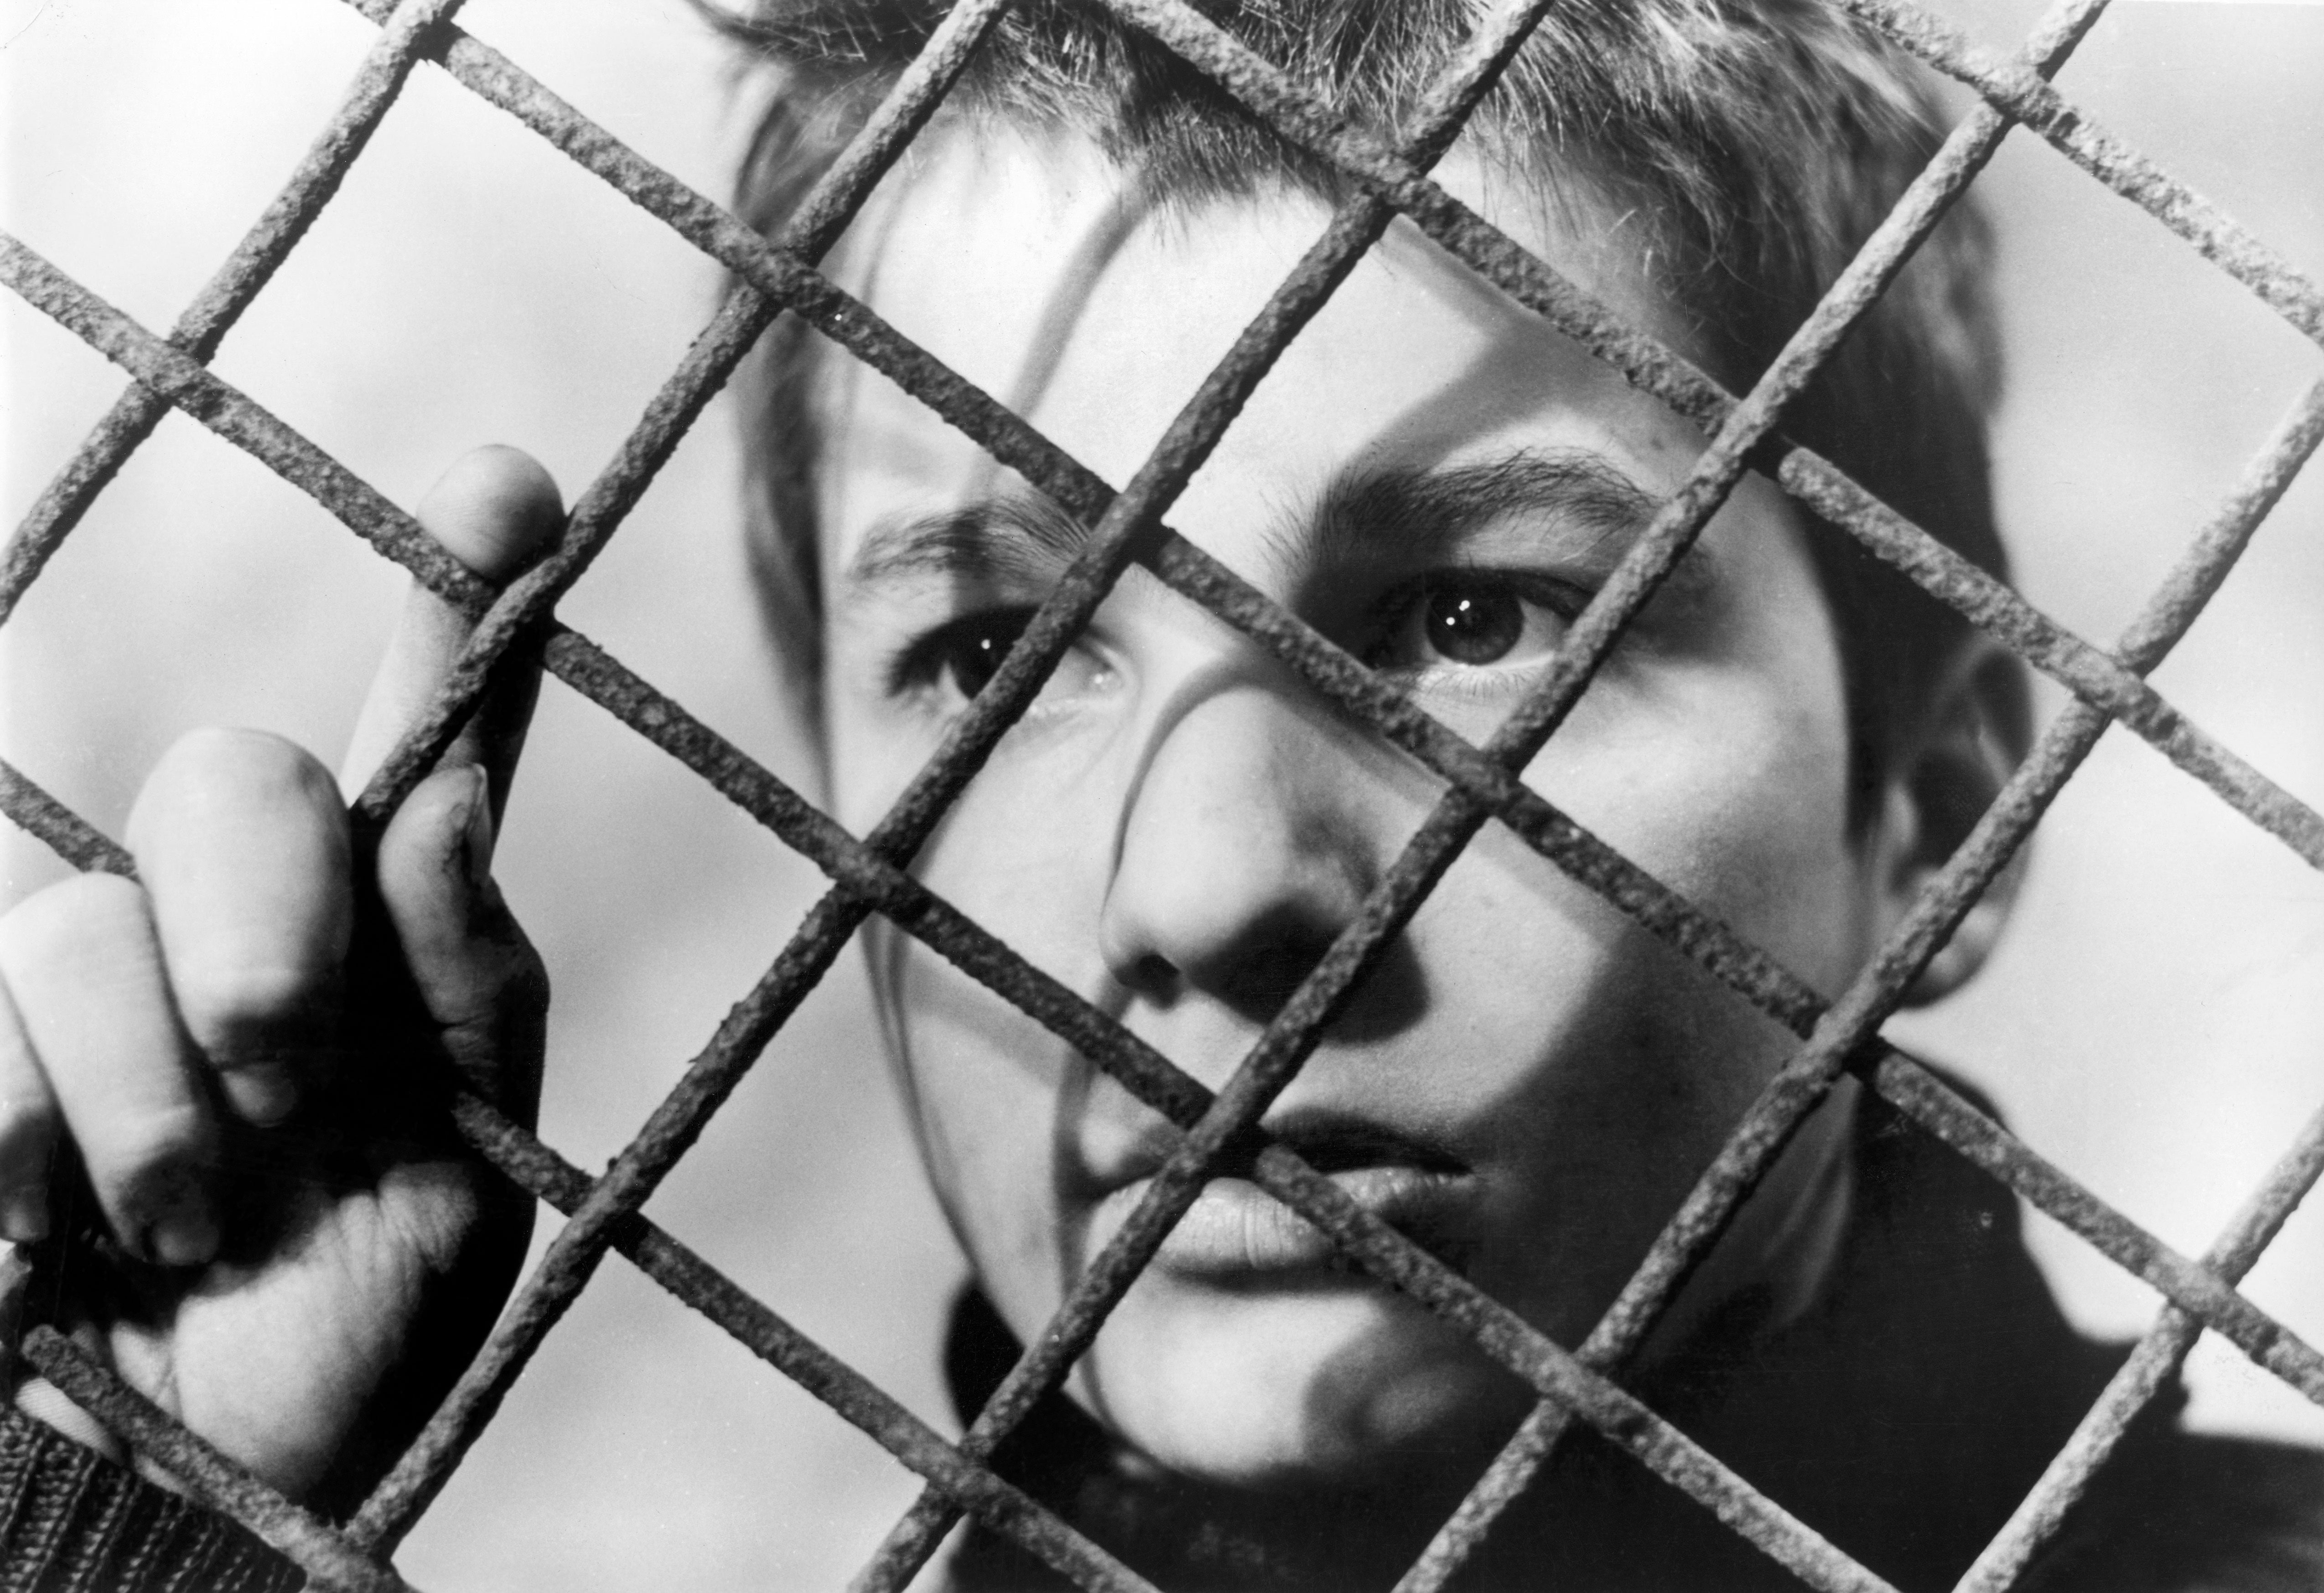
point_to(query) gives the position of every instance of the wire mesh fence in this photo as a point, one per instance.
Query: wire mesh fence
(872, 874)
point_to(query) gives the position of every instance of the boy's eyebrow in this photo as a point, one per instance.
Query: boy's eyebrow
(1022, 536)
(1402, 513)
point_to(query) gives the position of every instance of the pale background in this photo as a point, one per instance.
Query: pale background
(2155, 1023)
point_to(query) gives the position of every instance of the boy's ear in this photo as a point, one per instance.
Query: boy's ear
(1971, 739)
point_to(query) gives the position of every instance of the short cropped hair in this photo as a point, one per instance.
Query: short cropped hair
(1753, 144)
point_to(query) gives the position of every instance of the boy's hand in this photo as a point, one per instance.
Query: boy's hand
(221, 1087)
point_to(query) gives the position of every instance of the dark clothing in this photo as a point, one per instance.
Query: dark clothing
(73, 1521)
(1902, 1416)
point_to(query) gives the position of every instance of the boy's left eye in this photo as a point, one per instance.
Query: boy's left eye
(960, 657)
(1467, 620)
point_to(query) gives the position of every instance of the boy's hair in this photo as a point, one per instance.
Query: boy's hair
(1752, 143)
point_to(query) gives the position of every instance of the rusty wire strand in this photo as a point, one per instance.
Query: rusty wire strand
(556, 1182)
(31, 807)
(2086, 671)
(2151, 1367)
(2008, 86)
(204, 324)
(217, 1480)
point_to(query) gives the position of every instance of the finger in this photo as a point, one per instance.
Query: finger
(83, 964)
(479, 977)
(493, 510)
(243, 847)
(28, 1133)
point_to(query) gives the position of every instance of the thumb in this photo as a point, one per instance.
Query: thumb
(493, 510)
(476, 975)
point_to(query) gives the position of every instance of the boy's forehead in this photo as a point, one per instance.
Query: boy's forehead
(1036, 268)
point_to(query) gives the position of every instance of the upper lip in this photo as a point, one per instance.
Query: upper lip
(1329, 1140)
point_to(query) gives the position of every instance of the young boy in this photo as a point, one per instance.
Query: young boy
(294, 1261)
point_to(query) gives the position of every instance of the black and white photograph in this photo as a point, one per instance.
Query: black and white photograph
(1209, 795)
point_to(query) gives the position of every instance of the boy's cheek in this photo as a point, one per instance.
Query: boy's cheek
(1732, 791)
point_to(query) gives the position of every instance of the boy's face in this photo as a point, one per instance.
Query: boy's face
(1177, 828)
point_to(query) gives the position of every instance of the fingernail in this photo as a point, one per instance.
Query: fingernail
(23, 1216)
(186, 1236)
(262, 1093)
(476, 826)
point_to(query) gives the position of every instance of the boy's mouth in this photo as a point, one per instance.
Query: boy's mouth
(1235, 1230)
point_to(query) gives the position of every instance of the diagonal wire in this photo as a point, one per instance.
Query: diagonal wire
(2216, 237)
(2151, 1368)
(229, 292)
(32, 808)
(214, 1479)
(685, 1275)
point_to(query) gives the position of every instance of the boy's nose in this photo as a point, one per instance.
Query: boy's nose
(1245, 848)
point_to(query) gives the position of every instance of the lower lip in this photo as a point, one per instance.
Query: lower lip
(1236, 1228)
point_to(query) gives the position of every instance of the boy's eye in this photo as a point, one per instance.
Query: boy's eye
(964, 656)
(1466, 620)
(1471, 627)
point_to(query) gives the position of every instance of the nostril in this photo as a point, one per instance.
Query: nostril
(1258, 971)
(1152, 976)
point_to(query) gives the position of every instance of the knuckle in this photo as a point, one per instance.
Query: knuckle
(78, 929)
(507, 508)
(219, 772)
(27, 1126)
(143, 1150)
(527, 990)
(226, 997)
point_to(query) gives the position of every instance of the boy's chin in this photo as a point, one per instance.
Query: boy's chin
(1332, 1385)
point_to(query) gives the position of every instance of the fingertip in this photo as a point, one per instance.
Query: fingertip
(222, 776)
(435, 856)
(187, 1235)
(467, 955)
(28, 1132)
(24, 1215)
(493, 510)
(263, 1094)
